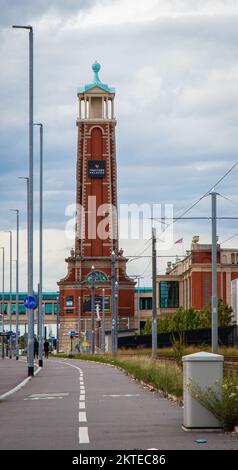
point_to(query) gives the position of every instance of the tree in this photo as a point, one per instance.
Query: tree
(191, 319)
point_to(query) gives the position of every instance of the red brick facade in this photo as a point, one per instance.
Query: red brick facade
(194, 275)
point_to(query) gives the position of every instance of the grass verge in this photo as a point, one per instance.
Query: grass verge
(164, 377)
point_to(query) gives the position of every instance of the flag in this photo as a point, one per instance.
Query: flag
(179, 241)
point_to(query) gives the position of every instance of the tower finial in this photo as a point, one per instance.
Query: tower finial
(96, 67)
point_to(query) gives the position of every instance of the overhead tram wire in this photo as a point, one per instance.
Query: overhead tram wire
(236, 204)
(188, 210)
(202, 197)
(228, 239)
(141, 253)
(147, 267)
(228, 199)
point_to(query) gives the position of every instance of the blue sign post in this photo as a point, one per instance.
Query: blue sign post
(30, 302)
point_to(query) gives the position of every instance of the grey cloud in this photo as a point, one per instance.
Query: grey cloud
(176, 107)
(26, 11)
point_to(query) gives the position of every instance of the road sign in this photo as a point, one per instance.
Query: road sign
(30, 302)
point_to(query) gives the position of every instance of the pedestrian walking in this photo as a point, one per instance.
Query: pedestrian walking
(46, 348)
(36, 348)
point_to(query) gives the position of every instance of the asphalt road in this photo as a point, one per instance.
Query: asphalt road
(83, 405)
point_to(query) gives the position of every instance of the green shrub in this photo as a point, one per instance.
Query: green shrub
(222, 402)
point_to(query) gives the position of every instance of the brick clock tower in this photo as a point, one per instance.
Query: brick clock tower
(96, 234)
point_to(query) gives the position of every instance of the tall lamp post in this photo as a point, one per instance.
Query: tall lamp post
(17, 284)
(57, 325)
(93, 278)
(79, 322)
(40, 311)
(30, 206)
(10, 300)
(3, 296)
(103, 322)
(116, 316)
(113, 290)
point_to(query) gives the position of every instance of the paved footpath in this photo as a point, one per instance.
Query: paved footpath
(12, 372)
(77, 405)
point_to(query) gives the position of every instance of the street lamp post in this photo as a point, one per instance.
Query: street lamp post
(116, 316)
(30, 206)
(57, 325)
(113, 281)
(103, 322)
(17, 284)
(3, 296)
(40, 312)
(10, 299)
(79, 322)
(93, 308)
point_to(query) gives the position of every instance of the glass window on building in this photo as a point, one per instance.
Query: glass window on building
(13, 309)
(56, 307)
(48, 308)
(169, 294)
(70, 311)
(5, 309)
(69, 302)
(22, 309)
(145, 303)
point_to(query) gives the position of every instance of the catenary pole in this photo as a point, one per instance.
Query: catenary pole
(213, 194)
(154, 301)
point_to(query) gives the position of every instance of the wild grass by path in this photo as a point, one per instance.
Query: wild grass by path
(164, 377)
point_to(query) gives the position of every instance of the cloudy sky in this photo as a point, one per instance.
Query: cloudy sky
(174, 64)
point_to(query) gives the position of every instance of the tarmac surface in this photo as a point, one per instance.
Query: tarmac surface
(77, 405)
(12, 372)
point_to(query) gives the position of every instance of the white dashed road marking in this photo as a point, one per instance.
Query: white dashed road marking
(83, 435)
(48, 395)
(82, 416)
(44, 398)
(83, 431)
